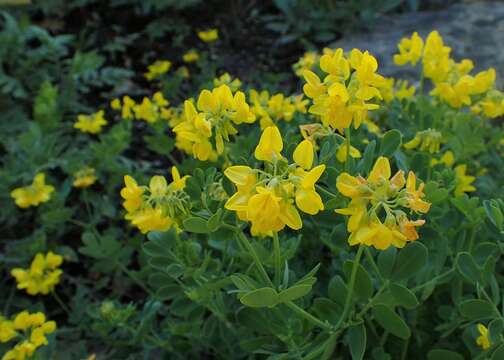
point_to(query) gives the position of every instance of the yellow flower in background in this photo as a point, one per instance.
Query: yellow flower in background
(270, 199)
(463, 180)
(209, 35)
(410, 50)
(491, 105)
(375, 215)
(427, 140)
(42, 276)
(190, 56)
(447, 159)
(157, 69)
(30, 328)
(184, 72)
(219, 111)
(341, 154)
(346, 93)
(483, 340)
(85, 177)
(396, 89)
(150, 110)
(159, 206)
(226, 79)
(33, 195)
(306, 62)
(91, 123)
(271, 109)
(436, 58)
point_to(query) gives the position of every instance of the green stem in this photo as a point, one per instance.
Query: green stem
(276, 250)
(255, 257)
(373, 263)
(61, 303)
(351, 285)
(327, 192)
(348, 135)
(312, 319)
(434, 279)
(133, 278)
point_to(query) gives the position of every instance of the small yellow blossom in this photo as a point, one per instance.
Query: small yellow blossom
(463, 180)
(85, 177)
(410, 50)
(158, 207)
(447, 159)
(226, 79)
(381, 194)
(30, 328)
(270, 199)
(427, 140)
(91, 123)
(190, 56)
(42, 276)
(341, 155)
(483, 340)
(34, 194)
(158, 68)
(209, 35)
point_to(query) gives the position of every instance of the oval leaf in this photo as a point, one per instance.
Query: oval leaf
(263, 297)
(357, 340)
(409, 261)
(390, 321)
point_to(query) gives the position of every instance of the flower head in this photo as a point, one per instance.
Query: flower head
(34, 194)
(483, 340)
(85, 177)
(375, 215)
(209, 35)
(157, 69)
(91, 123)
(42, 276)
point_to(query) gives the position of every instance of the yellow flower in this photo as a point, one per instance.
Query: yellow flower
(34, 328)
(341, 155)
(381, 194)
(447, 158)
(159, 206)
(463, 180)
(158, 68)
(270, 200)
(190, 56)
(209, 35)
(410, 50)
(42, 276)
(34, 194)
(483, 340)
(270, 145)
(91, 123)
(306, 62)
(427, 140)
(84, 177)
(392, 89)
(127, 109)
(436, 58)
(147, 111)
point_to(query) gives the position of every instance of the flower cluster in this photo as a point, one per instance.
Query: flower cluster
(157, 69)
(91, 123)
(345, 93)
(452, 81)
(31, 329)
(158, 207)
(270, 109)
(426, 140)
(396, 89)
(149, 110)
(209, 35)
(306, 62)
(190, 56)
(270, 198)
(85, 177)
(483, 339)
(381, 196)
(34, 194)
(42, 276)
(463, 181)
(219, 111)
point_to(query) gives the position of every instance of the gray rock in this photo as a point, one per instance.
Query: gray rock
(474, 31)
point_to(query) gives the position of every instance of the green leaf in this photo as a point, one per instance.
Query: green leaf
(442, 354)
(477, 309)
(409, 261)
(467, 267)
(495, 328)
(215, 221)
(196, 225)
(337, 289)
(367, 158)
(404, 296)
(386, 261)
(363, 286)
(499, 353)
(263, 297)
(391, 141)
(357, 340)
(293, 293)
(390, 321)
